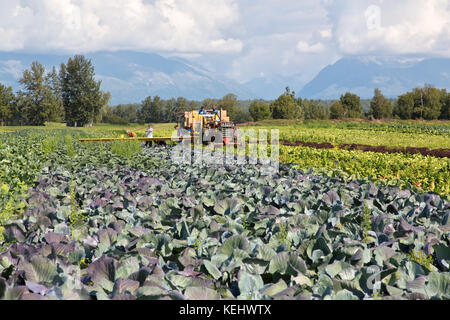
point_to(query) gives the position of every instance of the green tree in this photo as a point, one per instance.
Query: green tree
(57, 112)
(120, 114)
(176, 107)
(209, 103)
(131, 113)
(288, 92)
(157, 110)
(352, 105)
(337, 110)
(81, 95)
(241, 115)
(380, 106)
(427, 103)
(313, 110)
(145, 112)
(37, 101)
(285, 107)
(181, 105)
(229, 103)
(404, 106)
(6, 104)
(445, 111)
(169, 112)
(152, 110)
(259, 110)
(109, 115)
(192, 106)
(422, 103)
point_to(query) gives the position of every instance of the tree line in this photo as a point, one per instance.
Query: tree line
(157, 110)
(426, 103)
(422, 103)
(72, 95)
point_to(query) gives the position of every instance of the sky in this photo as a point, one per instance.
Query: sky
(243, 39)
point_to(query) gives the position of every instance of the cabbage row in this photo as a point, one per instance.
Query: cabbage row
(168, 231)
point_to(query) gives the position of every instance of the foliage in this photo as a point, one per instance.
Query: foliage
(366, 223)
(259, 110)
(37, 103)
(76, 217)
(407, 171)
(313, 110)
(352, 105)
(56, 113)
(152, 110)
(380, 106)
(50, 144)
(6, 102)
(70, 148)
(81, 95)
(404, 106)
(427, 103)
(11, 203)
(175, 231)
(126, 149)
(395, 135)
(337, 110)
(121, 114)
(285, 107)
(445, 111)
(241, 115)
(422, 259)
(422, 103)
(229, 103)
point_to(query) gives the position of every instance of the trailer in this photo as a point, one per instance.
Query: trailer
(209, 127)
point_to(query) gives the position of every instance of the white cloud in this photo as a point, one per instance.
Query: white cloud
(399, 27)
(240, 38)
(305, 47)
(282, 38)
(92, 25)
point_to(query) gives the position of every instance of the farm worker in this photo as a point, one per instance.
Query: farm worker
(149, 131)
(149, 134)
(179, 131)
(216, 114)
(131, 134)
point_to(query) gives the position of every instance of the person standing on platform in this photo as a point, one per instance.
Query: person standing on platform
(149, 134)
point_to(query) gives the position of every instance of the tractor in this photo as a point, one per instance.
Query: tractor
(209, 126)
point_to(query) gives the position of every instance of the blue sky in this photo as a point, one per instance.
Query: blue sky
(243, 39)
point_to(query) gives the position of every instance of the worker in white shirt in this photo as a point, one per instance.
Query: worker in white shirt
(149, 134)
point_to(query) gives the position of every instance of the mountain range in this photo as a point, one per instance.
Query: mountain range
(393, 76)
(132, 76)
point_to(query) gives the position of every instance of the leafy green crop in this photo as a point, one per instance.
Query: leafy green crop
(115, 221)
(183, 231)
(422, 259)
(407, 171)
(398, 135)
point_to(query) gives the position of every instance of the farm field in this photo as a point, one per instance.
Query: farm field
(394, 134)
(120, 221)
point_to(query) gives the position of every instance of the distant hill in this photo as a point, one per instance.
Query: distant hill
(132, 76)
(361, 75)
